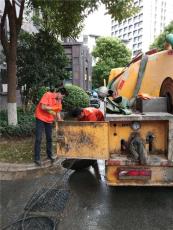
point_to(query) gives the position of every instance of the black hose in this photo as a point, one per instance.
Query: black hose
(25, 217)
(44, 193)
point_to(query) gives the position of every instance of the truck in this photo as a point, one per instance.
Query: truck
(137, 148)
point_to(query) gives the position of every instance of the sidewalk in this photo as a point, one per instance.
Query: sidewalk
(12, 171)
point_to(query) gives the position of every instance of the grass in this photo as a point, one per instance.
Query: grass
(20, 150)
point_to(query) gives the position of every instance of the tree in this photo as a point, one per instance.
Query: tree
(60, 18)
(41, 61)
(109, 53)
(9, 43)
(55, 15)
(160, 40)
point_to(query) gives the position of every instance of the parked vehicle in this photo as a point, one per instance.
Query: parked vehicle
(138, 147)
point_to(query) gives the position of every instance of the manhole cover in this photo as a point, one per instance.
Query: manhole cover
(48, 200)
(34, 223)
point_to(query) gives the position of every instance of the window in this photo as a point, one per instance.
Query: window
(140, 17)
(130, 27)
(125, 29)
(140, 45)
(140, 31)
(135, 39)
(136, 3)
(136, 25)
(135, 32)
(130, 20)
(135, 19)
(135, 46)
(140, 38)
(125, 36)
(140, 23)
(129, 34)
(140, 2)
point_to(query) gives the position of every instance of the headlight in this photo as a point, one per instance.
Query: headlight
(136, 125)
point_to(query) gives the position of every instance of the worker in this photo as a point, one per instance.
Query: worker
(47, 110)
(87, 114)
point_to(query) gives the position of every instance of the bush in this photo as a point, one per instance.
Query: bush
(37, 94)
(24, 128)
(77, 98)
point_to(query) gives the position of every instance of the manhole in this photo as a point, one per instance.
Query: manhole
(34, 223)
(48, 200)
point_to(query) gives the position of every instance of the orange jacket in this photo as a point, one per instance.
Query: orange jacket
(92, 114)
(48, 99)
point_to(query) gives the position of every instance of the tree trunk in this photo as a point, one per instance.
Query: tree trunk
(11, 77)
(14, 23)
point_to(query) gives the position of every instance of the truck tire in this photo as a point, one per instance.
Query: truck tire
(167, 91)
(77, 164)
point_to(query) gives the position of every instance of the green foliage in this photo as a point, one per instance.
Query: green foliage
(66, 18)
(42, 90)
(63, 18)
(41, 62)
(120, 9)
(24, 128)
(77, 98)
(159, 42)
(110, 53)
(37, 94)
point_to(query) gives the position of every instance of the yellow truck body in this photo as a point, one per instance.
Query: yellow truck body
(159, 68)
(111, 140)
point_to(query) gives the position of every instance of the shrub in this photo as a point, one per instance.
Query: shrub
(37, 94)
(24, 128)
(77, 98)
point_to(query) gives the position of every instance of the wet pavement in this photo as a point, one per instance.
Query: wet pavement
(90, 204)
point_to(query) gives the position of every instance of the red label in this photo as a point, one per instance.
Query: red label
(121, 84)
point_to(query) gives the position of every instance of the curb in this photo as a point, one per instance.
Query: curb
(11, 171)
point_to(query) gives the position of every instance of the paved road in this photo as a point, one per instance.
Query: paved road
(92, 205)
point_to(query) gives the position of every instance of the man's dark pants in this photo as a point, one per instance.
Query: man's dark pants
(40, 126)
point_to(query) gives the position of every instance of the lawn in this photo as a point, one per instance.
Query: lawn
(20, 150)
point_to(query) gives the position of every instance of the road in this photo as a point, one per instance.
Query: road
(89, 204)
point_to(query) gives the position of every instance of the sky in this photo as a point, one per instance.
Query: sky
(98, 23)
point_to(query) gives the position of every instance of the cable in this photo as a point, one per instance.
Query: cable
(44, 193)
(25, 217)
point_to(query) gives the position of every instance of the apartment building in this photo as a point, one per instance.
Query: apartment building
(139, 31)
(80, 64)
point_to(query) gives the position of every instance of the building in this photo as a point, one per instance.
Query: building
(139, 31)
(80, 64)
(90, 42)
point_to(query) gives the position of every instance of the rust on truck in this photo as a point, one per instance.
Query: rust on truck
(82, 140)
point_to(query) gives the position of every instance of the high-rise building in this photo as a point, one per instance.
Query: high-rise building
(139, 31)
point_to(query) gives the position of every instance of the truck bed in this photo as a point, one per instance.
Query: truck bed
(139, 116)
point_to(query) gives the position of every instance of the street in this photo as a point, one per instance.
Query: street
(87, 204)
